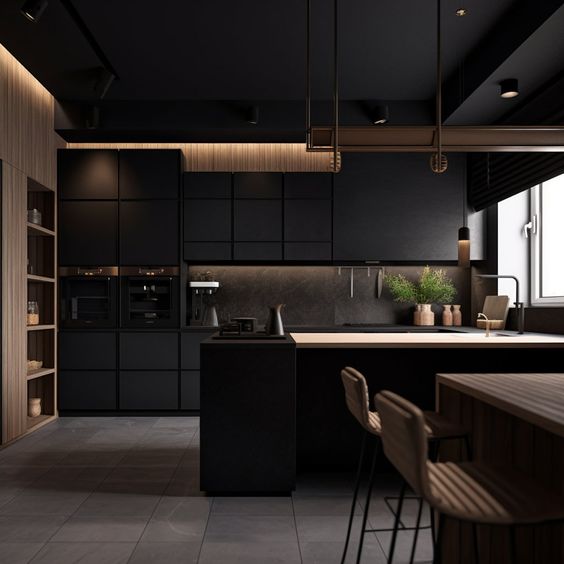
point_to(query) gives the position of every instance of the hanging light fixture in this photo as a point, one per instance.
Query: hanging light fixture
(464, 231)
(509, 88)
(33, 9)
(438, 161)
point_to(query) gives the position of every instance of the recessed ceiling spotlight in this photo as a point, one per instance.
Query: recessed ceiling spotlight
(253, 115)
(461, 12)
(380, 114)
(33, 9)
(509, 88)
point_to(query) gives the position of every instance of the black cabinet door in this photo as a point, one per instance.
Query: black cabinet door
(207, 185)
(149, 173)
(88, 233)
(190, 349)
(190, 389)
(156, 389)
(258, 220)
(149, 233)
(148, 351)
(257, 251)
(257, 185)
(87, 390)
(307, 220)
(394, 208)
(87, 174)
(308, 185)
(307, 251)
(207, 220)
(197, 252)
(87, 351)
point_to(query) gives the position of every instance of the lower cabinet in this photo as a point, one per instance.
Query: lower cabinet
(148, 389)
(88, 390)
(190, 389)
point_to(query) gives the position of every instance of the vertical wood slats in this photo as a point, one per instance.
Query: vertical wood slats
(14, 289)
(234, 157)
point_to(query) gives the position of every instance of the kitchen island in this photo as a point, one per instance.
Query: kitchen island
(288, 392)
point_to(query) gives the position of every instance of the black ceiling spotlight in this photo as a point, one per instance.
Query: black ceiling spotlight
(253, 115)
(461, 12)
(33, 9)
(509, 88)
(103, 82)
(380, 114)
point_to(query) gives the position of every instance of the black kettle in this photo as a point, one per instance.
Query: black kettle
(274, 325)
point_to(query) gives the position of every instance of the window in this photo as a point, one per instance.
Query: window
(547, 242)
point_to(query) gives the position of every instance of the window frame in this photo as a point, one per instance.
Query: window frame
(535, 272)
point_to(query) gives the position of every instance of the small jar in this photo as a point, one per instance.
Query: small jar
(32, 313)
(447, 315)
(34, 407)
(417, 315)
(456, 316)
(427, 315)
(34, 216)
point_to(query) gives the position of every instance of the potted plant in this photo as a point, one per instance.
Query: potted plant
(433, 286)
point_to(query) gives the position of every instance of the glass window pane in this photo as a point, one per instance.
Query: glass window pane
(552, 238)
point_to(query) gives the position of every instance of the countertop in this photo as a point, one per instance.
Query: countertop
(536, 398)
(468, 339)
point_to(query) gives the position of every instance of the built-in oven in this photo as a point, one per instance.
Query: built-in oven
(150, 296)
(88, 296)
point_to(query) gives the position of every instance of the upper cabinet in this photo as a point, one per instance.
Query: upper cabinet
(149, 174)
(257, 185)
(392, 207)
(89, 174)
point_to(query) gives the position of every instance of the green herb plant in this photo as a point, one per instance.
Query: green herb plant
(433, 286)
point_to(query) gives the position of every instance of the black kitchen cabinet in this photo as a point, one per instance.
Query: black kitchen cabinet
(198, 252)
(307, 220)
(151, 390)
(258, 220)
(316, 185)
(88, 233)
(392, 207)
(307, 251)
(190, 348)
(149, 174)
(207, 220)
(149, 233)
(87, 350)
(207, 185)
(190, 389)
(85, 390)
(148, 351)
(266, 185)
(257, 251)
(87, 174)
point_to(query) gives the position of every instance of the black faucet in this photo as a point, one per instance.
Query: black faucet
(520, 306)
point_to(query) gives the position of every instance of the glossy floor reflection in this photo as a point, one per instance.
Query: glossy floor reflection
(125, 490)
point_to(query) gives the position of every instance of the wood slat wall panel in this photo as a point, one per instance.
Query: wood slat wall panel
(234, 157)
(27, 139)
(14, 289)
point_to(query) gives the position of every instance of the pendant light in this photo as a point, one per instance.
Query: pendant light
(438, 161)
(464, 231)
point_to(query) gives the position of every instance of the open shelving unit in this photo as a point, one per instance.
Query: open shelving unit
(42, 288)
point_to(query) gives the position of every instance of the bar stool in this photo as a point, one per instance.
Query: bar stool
(474, 492)
(437, 428)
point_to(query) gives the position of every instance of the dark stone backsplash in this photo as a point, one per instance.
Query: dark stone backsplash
(317, 295)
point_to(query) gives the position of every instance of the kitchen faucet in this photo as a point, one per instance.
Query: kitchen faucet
(520, 306)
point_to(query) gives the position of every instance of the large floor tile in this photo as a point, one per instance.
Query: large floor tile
(101, 529)
(252, 506)
(326, 528)
(250, 528)
(331, 552)
(118, 504)
(18, 552)
(250, 553)
(178, 520)
(37, 502)
(404, 544)
(324, 505)
(166, 553)
(84, 553)
(29, 528)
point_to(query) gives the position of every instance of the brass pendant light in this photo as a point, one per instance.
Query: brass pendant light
(439, 161)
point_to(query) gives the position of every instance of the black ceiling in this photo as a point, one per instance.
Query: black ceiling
(253, 51)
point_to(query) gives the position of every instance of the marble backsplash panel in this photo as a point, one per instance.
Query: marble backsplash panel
(317, 295)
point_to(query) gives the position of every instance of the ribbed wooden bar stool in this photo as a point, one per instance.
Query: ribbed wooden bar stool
(474, 492)
(437, 429)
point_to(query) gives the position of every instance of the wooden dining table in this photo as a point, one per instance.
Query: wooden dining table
(516, 420)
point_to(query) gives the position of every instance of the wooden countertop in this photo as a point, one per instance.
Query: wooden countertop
(535, 398)
(425, 340)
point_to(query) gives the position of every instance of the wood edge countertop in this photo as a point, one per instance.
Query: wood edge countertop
(537, 398)
(425, 340)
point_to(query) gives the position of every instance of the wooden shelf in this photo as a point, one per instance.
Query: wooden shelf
(40, 327)
(39, 230)
(40, 420)
(36, 278)
(32, 374)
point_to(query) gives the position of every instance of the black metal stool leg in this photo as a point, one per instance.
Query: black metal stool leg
(367, 502)
(512, 545)
(396, 522)
(468, 444)
(355, 495)
(416, 533)
(475, 541)
(437, 557)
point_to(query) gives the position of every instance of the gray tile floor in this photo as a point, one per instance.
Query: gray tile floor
(125, 490)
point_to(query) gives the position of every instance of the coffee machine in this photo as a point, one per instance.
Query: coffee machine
(203, 311)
